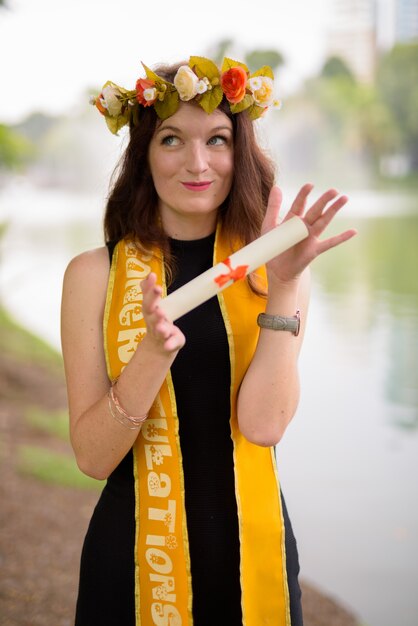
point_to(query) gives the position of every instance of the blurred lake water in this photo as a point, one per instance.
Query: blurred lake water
(349, 460)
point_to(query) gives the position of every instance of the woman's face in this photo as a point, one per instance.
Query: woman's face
(191, 158)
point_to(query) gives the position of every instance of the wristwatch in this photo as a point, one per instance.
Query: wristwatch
(278, 322)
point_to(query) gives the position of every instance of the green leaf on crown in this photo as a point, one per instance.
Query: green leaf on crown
(211, 99)
(152, 75)
(256, 111)
(227, 64)
(168, 106)
(204, 67)
(246, 102)
(264, 71)
(114, 124)
(157, 79)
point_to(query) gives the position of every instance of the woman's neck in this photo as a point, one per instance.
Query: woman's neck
(189, 227)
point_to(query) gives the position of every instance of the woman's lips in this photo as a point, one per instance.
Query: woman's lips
(201, 186)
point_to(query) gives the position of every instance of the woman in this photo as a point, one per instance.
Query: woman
(182, 419)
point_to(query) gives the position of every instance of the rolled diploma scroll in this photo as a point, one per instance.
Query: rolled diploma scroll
(255, 254)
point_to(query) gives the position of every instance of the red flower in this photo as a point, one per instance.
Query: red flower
(233, 83)
(141, 85)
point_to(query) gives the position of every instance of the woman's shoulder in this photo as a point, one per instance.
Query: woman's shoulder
(90, 261)
(88, 271)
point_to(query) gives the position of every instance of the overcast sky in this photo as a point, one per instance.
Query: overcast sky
(51, 51)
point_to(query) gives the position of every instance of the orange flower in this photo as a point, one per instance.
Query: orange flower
(233, 83)
(145, 84)
(99, 104)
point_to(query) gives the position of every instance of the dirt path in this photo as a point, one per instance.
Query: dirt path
(42, 525)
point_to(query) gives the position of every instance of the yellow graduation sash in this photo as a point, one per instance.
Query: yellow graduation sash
(163, 591)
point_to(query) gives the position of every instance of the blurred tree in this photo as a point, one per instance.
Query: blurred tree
(338, 128)
(36, 126)
(257, 58)
(397, 85)
(335, 66)
(14, 148)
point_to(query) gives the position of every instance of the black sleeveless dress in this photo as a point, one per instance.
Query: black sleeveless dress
(201, 378)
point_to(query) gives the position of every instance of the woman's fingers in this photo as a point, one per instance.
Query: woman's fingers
(291, 263)
(151, 293)
(327, 244)
(299, 203)
(170, 334)
(164, 331)
(311, 217)
(151, 297)
(174, 342)
(317, 209)
(321, 218)
(272, 212)
(318, 218)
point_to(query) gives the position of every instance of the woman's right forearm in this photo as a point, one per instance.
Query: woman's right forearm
(99, 440)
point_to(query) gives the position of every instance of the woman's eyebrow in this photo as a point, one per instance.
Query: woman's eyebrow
(213, 130)
(175, 129)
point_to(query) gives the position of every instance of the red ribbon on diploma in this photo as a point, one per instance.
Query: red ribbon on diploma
(234, 274)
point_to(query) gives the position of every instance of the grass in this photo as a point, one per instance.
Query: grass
(53, 423)
(21, 346)
(24, 345)
(51, 467)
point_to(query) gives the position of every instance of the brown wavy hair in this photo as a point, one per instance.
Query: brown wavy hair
(132, 205)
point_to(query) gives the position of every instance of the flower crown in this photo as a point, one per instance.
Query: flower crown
(200, 81)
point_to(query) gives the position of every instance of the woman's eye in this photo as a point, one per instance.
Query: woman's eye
(170, 140)
(217, 140)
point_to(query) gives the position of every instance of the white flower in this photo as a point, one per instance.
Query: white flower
(201, 87)
(150, 94)
(254, 83)
(186, 82)
(92, 100)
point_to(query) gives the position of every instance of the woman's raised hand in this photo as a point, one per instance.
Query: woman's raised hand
(287, 267)
(166, 336)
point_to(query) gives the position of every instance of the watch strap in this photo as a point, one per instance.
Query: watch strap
(279, 322)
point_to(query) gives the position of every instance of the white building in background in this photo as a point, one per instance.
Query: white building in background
(353, 35)
(406, 20)
(360, 29)
(397, 23)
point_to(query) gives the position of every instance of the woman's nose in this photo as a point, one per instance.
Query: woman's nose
(197, 158)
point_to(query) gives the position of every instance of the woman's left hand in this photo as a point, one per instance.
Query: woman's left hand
(287, 267)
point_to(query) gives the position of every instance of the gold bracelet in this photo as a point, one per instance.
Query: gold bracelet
(132, 419)
(119, 418)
